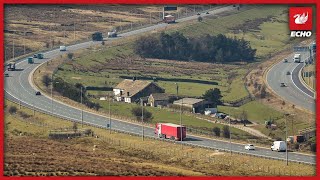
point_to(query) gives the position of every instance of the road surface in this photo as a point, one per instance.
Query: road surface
(19, 86)
(295, 92)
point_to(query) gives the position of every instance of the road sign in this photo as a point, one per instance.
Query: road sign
(300, 48)
(170, 8)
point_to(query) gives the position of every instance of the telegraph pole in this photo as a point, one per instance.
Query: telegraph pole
(181, 122)
(81, 109)
(142, 118)
(286, 141)
(109, 114)
(13, 48)
(51, 94)
(230, 136)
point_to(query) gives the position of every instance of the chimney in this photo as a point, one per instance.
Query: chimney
(128, 94)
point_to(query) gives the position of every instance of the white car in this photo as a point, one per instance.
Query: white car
(249, 147)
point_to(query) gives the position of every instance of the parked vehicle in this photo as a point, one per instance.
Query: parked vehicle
(6, 75)
(35, 56)
(283, 85)
(38, 93)
(297, 58)
(207, 12)
(169, 19)
(11, 66)
(278, 146)
(97, 36)
(63, 48)
(112, 34)
(249, 147)
(170, 131)
(30, 60)
(198, 14)
(285, 60)
(288, 73)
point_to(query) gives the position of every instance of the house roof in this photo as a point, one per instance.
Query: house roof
(188, 101)
(160, 96)
(133, 86)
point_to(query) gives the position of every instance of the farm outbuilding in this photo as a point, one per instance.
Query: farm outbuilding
(159, 99)
(194, 104)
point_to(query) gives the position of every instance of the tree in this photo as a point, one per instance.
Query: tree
(263, 92)
(200, 18)
(137, 112)
(219, 56)
(46, 80)
(226, 132)
(70, 56)
(75, 127)
(214, 96)
(244, 115)
(216, 131)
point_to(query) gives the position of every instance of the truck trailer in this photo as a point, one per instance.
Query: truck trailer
(297, 58)
(30, 60)
(169, 19)
(170, 131)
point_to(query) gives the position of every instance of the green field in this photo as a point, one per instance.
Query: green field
(163, 115)
(257, 112)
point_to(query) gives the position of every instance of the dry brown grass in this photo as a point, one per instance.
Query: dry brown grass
(122, 154)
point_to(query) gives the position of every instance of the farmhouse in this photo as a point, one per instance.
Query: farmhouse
(195, 105)
(131, 91)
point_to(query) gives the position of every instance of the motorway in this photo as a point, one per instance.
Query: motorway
(295, 92)
(19, 87)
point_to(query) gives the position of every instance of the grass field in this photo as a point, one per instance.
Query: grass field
(257, 111)
(30, 153)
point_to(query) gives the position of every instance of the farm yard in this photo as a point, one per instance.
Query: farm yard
(29, 152)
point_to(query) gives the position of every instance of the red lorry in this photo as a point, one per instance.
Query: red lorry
(170, 131)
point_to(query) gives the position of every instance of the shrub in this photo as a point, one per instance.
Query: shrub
(12, 109)
(226, 132)
(137, 112)
(216, 131)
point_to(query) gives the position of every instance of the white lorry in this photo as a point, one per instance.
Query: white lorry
(297, 58)
(112, 34)
(63, 48)
(278, 146)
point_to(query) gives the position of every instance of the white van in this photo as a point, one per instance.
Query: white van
(63, 48)
(297, 58)
(278, 146)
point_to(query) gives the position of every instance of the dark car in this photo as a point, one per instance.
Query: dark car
(38, 93)
(207, 12)
(35, 56)
(283, 85)
(198, 13)
(288, 72)
(285, 60)
(6, 75)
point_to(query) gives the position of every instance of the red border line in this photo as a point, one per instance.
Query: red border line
(293, 2)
